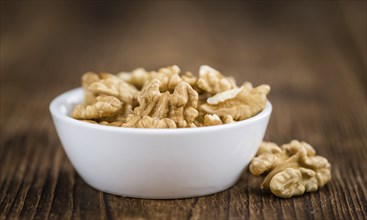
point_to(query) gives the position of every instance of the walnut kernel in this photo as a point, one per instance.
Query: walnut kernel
(293, 168)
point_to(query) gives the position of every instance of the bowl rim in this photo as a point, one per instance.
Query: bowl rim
(61, 99)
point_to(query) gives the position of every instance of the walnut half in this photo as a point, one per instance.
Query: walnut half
(240, 103)
(293, 168)
(179, 107)
(103, 107)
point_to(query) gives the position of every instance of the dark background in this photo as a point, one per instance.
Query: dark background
(312, 53)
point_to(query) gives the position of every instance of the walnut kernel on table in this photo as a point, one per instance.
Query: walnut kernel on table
(292, 169)
(167, 98)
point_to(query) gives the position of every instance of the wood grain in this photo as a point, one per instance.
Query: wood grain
(313, 54)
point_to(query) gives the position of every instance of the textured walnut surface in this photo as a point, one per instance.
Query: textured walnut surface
(292, 169)
(168, 98)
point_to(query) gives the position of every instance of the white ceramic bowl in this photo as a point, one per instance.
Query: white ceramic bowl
(157, 163)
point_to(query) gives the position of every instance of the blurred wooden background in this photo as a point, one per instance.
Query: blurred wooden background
(312, 53)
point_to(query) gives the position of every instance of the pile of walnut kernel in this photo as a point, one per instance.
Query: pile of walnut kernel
(166, 99)
(293, 168)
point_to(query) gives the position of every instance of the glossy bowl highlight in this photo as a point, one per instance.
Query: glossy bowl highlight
(157, 163)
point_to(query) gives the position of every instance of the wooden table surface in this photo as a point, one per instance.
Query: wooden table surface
(313, 54)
